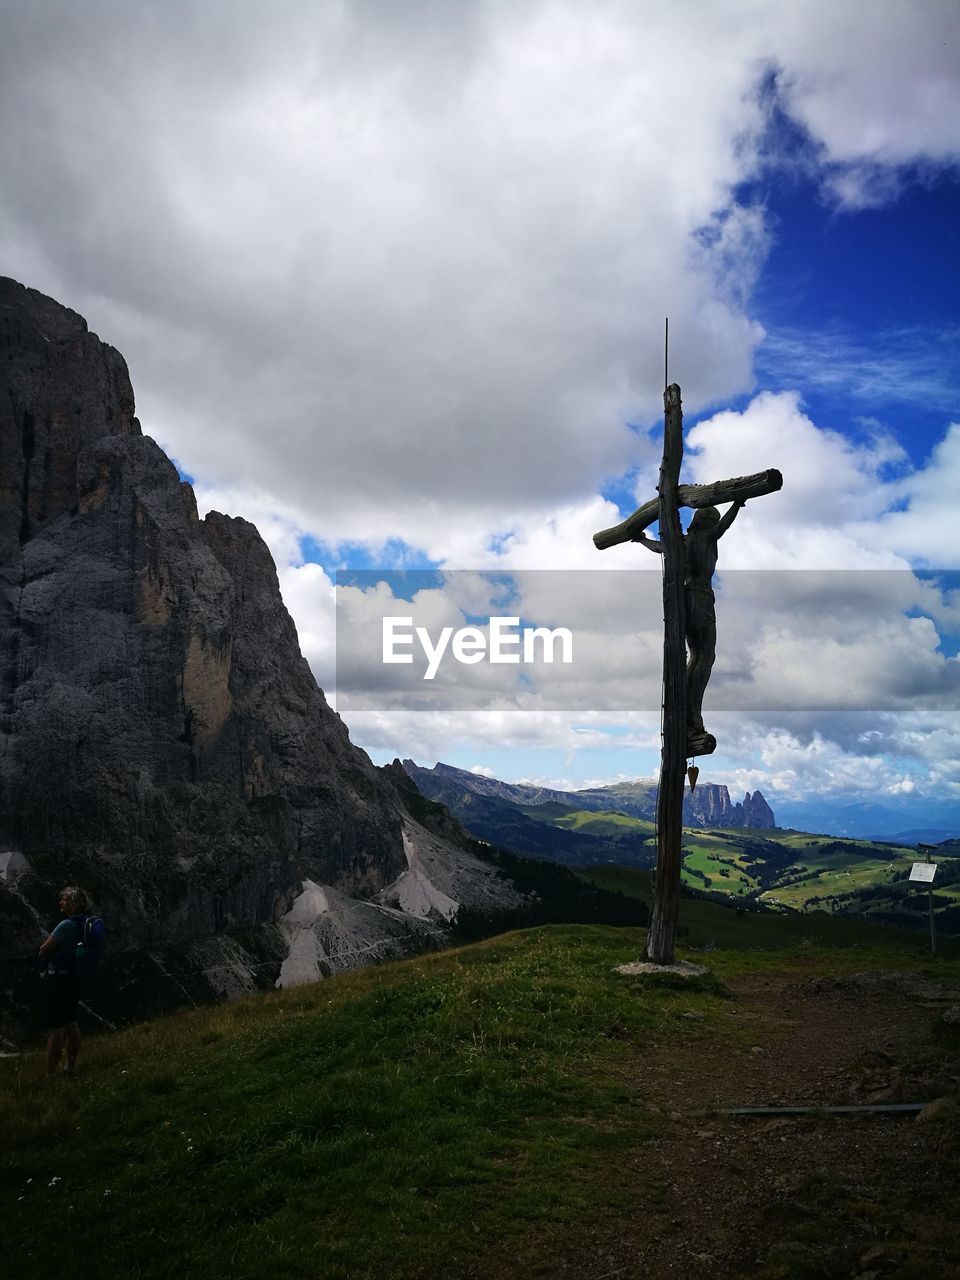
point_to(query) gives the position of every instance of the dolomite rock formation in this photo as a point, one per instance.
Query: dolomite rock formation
(162, 739)
(756, 812)
(708, 806)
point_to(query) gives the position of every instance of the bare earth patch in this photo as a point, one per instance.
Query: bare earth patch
(865, 1196)
(791, 1198)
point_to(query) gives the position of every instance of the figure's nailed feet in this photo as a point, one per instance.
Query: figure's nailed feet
(700, 743)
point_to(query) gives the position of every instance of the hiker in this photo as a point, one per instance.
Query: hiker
(62, 980)
(700, 561)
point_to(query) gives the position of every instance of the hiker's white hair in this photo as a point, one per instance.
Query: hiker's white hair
(77, 899)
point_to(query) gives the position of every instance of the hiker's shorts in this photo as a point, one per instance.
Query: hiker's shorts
(61, 999)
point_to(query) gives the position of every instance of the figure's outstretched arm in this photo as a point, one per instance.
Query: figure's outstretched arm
(650, 543)
(729, 518)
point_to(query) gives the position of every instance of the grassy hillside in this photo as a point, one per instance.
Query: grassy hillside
(606, 824)
(501, 1110)
(706, 924)
(347, 1129)
(863, 878)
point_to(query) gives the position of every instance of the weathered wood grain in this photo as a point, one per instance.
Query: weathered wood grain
(666, 897)
(691, 495)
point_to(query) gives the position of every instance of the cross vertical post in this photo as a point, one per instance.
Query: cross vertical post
(666, 896)
(689, 622)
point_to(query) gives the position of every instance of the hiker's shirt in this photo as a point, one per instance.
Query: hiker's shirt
(62, 960)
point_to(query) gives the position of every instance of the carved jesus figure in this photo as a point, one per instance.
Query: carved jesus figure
(700, 560)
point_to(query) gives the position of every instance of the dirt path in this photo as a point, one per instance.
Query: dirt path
(786, 1199)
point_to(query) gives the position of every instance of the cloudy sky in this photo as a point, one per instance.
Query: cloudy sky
(391, 280)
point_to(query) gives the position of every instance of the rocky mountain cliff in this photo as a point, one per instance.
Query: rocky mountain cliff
(708, 806)
(162, 739)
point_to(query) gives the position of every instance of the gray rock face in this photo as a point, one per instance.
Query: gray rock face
(756, 812)
(162, 739)
(710, 806)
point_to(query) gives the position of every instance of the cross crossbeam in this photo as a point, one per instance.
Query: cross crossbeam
(738, 489)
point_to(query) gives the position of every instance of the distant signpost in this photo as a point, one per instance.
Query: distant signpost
(924, 873)
(688, 620)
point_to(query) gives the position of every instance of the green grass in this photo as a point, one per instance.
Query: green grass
(830, 875)
(456, 1103)
(710, 858)
(474, 1111)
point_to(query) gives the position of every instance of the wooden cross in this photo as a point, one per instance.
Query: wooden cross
(683, 732)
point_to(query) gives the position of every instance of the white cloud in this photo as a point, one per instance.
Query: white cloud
(439, 734)
(386, 275)
(828, 480)
(876, 84)
(839, 634)
(927, 528)
(406, 279)
(309, 595)
(902, 787)
(411, 276)
(845, 504)
(855, 754)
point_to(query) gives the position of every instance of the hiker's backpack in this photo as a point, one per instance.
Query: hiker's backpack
(90, 947)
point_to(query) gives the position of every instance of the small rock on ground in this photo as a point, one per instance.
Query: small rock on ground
(682, 968)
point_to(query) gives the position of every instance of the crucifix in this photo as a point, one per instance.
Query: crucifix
(688, 616)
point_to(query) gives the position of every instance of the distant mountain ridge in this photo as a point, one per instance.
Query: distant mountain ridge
(908, 818)
(708, 806)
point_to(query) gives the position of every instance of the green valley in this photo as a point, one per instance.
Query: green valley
(781, 869)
